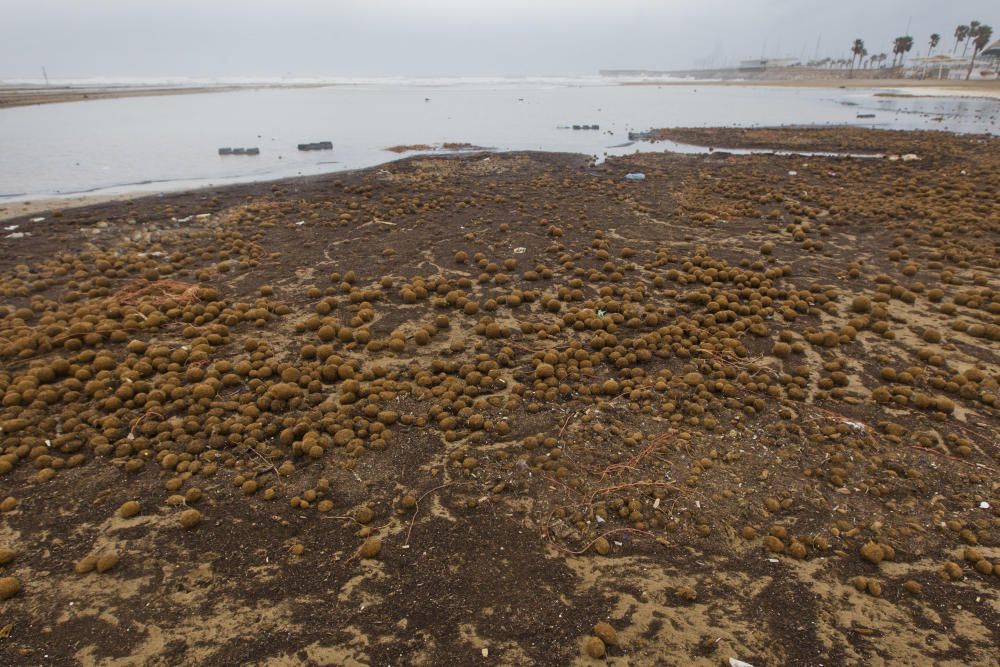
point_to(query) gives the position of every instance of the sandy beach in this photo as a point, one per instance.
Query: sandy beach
(514, 408)
(34, 207)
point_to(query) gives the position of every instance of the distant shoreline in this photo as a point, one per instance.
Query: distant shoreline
(32, 95)
(978, 88)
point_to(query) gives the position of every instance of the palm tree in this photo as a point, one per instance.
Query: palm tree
(983, 35)
(935, 38)
(900, 47)
(856, 50)
(973, 28)
(961, 32)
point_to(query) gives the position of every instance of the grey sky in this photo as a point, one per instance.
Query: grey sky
(306, 38)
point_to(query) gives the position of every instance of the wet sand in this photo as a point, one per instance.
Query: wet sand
(33, 207)
(514, 409)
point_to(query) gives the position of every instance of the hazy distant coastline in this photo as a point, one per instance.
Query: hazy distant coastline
(30, 94)
(19, 95)
(975, 88)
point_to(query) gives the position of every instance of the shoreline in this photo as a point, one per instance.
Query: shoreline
(14, 96)
(986, 89)
(19, 209)
(59, 207)
(15, 209)
(35, 95)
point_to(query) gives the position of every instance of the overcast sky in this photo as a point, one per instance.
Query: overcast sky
(310, 38)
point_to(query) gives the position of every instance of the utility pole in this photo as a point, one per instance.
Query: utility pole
(45, 75)
(819, 37)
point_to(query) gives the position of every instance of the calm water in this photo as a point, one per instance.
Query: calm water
(169, 143)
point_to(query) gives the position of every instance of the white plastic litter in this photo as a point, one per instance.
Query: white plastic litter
(637, 176)
(733, 662)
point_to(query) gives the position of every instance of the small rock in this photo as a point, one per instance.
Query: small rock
(594, 647)
(606, 633)
(107, 561)
(190, 518)
(9, 587)
(129, 509)
(602, 546)
(371, 547)
(872, 552)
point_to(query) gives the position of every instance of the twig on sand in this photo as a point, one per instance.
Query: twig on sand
(267, 462)
(566, 423)
(562, 484)
(632, 464)
(643, 483)
(160, 290)
(577, 552)
(141, 418)
(955, 458)
(416, 510)
(344, 517)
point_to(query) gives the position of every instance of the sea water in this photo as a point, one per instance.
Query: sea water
(164, 143)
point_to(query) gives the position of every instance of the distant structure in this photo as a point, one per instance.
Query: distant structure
(939, 65)
(239, 151)
(762, 64)
(948, 66)
(756, 65)
(317, 146)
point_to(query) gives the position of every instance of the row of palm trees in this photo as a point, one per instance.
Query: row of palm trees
(858, 52)
(900, 47)
(972, 32)
(979, 34)
(976, 33)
